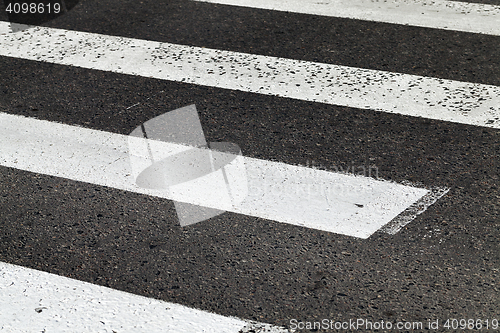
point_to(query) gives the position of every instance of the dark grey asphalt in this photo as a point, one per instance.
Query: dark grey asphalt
(444, 264)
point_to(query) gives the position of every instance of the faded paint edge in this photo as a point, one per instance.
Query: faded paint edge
(403, 219)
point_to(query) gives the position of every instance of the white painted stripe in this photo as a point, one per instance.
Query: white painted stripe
(438, 14)
(339, 203)
(434, 98)
(35, 301)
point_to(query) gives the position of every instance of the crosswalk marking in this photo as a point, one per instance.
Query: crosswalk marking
(411, 95)
(339, 203)
(54, 301)
(35, 301)
(440, 14)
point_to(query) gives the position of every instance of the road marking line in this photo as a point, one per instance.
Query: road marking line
(340, 203)
(438, 14)
(412, 95)
(36, 301)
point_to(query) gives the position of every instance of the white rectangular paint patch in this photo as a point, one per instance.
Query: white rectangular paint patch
(411, 95)
(340, 203)
(35, 301)
(438, 14)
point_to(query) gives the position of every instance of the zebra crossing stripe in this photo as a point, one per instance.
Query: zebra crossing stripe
(345, 204)
(36, 301)
(438, 14)
(411, 95)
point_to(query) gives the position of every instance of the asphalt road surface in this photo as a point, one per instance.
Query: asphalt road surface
(443, 265)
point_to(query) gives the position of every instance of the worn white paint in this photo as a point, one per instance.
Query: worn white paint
(340, 203)
(438, 14)
(412, 95)
(417, 208)
(35, 301)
